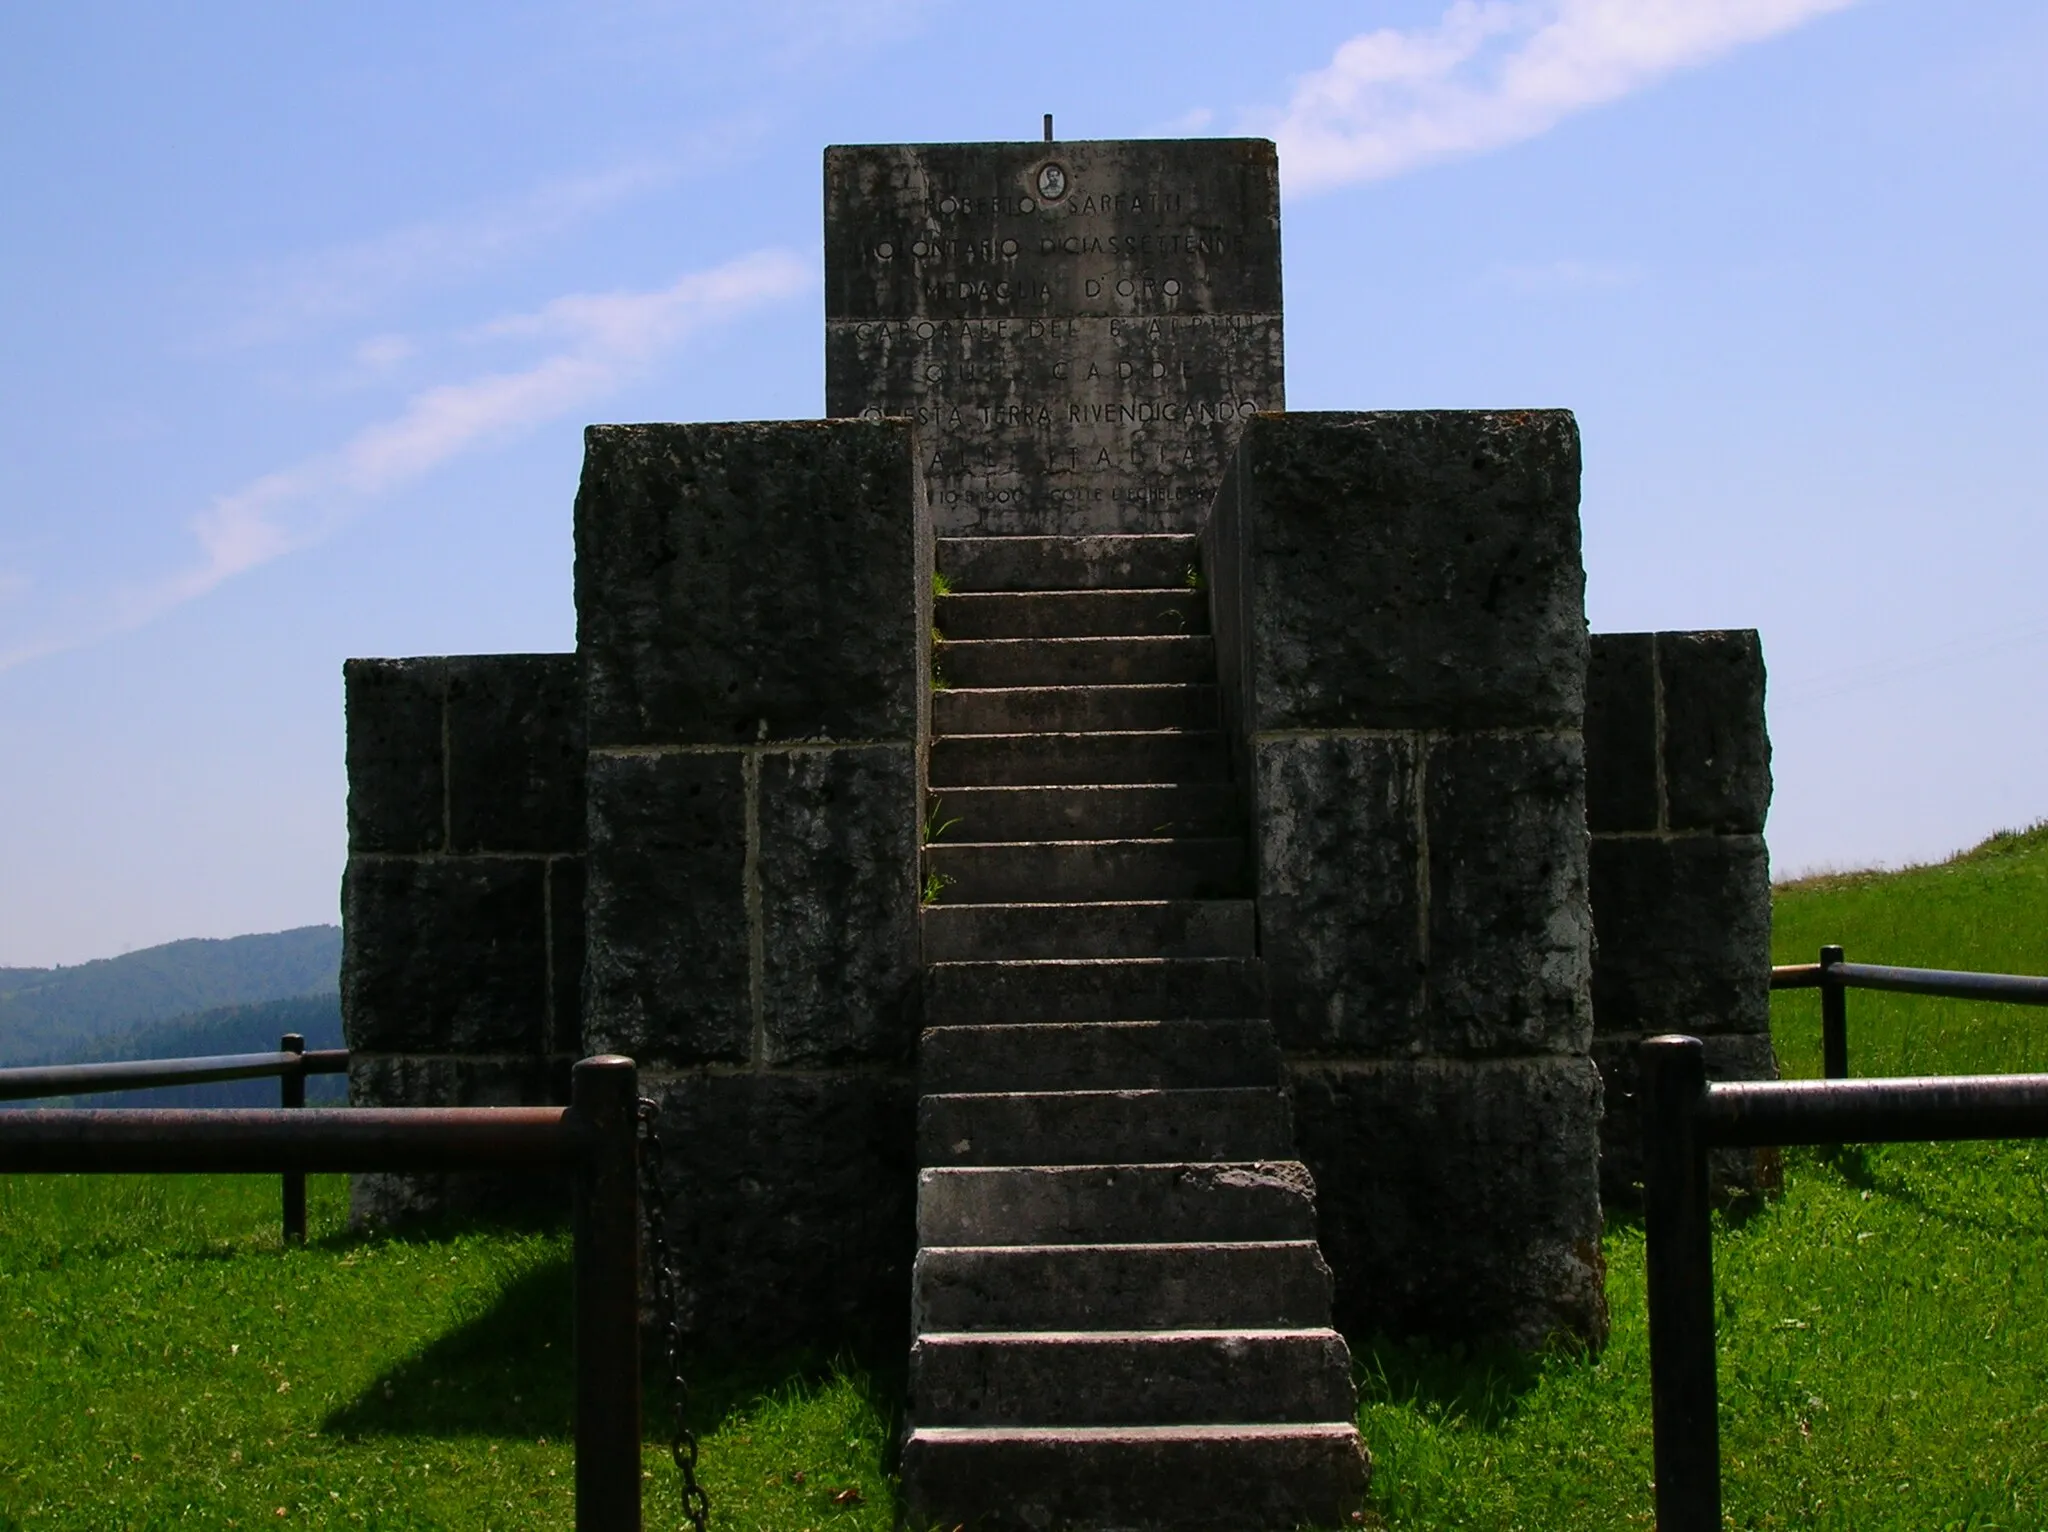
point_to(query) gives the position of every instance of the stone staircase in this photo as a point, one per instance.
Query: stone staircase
(1121, 1317)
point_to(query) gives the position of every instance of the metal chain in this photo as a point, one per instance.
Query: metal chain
(682, 1440)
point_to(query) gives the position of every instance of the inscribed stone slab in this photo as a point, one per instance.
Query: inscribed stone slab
(1078, 330)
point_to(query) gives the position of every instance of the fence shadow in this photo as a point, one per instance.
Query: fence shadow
(509, 1373)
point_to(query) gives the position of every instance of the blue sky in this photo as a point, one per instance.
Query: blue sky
(304, 308)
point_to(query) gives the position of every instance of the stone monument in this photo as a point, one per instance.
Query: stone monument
(1094, 868)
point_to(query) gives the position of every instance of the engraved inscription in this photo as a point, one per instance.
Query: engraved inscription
(1078, 340)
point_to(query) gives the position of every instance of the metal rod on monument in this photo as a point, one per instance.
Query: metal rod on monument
(1048, 127)
(602, 1096)
(291, 1091)
(1834, 1018)
(1679, 1253)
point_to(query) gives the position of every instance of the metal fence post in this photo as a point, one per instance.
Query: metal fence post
(1679, 1252)
(602, 1098)
(1834, 1019)
(291, 1088)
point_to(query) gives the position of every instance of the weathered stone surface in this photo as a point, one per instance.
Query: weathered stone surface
(667, 977)
(791, 1205)
(1078, 329)
(1137, 1377)
(1735, 1056)
(1340, 912)
(448, 954)
(1458, 1199)
(745, 583)
(1402, 570)
(1275, 1285)
(396, 1080)
(839, 836)
(1160, 1478)
(515, 752)
(567, 880)
(1621, 733)
(1114, 1204)
(1684, 935)
(1510, 937)
(396, 798)
(1717, 750)
(1103, 1127)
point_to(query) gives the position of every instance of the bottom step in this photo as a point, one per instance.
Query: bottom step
(1136, 1478)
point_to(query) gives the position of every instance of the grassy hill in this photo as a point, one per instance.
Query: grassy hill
(1984, 909)
(61, 1014)
(1883, 1331)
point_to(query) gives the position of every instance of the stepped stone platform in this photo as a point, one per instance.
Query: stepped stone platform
(1121, 1317)
(1275, 797)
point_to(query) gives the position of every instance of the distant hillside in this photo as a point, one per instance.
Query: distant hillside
(229, 1029)
(62, 1014)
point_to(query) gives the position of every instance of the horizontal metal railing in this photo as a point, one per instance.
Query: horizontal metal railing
(1834, 977)
(594, 1136)
(1684, 1117)
(292, 1062)
(44, 1080)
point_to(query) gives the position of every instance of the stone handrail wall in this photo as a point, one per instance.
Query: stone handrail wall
(1398, 599)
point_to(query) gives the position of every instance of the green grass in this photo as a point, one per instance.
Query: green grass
(164, 1363)
(1884, 1331)
(1883, 1325)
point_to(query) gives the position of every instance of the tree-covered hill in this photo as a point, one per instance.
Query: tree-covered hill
(64, 1014)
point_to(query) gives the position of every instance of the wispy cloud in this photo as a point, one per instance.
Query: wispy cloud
(1495, 72)
(348, 281)
(596, 343)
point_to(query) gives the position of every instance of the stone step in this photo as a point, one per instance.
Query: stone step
(1046, 760)
(1068, 563)
(1275, 1286)
(1072, 614)
(1237, 1478)
(1055, 870)
(1072, 709)
(1075, 661)
(959, 933)
(1098, 1055)
(1130, 1377)
(1092, 989)
(1104, 1127)
(1089, 811)
(1115, 1204)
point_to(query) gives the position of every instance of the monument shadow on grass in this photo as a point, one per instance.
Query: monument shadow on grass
(509, 1372)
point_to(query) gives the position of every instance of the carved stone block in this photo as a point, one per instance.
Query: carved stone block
(667, 978)
(1404, 570)
(738, 584)
(1510, 935)
(445, 954)
(1458, 1199)
(1684, 929)
(1340, 903)
(396, 796)
(839, 835)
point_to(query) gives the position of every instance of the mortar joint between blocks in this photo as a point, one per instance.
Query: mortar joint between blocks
(757, 938)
